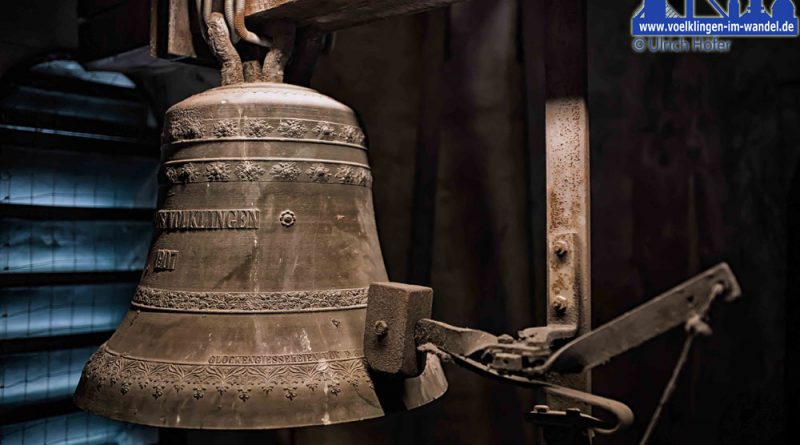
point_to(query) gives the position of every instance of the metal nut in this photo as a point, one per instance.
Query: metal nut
(541, 408)
(381, 328)
(560, 304)
(560, 248)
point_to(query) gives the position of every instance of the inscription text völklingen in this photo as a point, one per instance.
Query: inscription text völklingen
(207, 219)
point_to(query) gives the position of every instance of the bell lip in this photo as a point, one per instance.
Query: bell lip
(111, 416)
(438, 379)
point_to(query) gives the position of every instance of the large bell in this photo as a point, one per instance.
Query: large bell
(250, 310)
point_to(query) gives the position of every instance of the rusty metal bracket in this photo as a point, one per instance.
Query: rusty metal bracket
(569, 300)
(567, 178)
(537, 359)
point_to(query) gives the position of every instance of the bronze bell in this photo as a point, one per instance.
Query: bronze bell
(250, 310)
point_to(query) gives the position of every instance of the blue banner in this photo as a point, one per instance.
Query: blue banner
(657, 18)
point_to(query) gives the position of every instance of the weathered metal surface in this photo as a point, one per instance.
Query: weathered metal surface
(174, 32)
(219, 40)
(250, 311)
(668, 310)
(567, 181)
(531, 362)
(568, 214)
(453, 340)
(393, 310)
(475, 351)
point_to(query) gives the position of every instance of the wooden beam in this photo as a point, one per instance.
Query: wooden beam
(330, 15)
(174, 33)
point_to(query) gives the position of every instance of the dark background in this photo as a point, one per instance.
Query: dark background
(694, 161)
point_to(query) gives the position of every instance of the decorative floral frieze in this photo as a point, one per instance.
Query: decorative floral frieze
(280, 171)
(183, 125)
(249, 171)
(120, 375)
(318, 173)
(289, 301)
(346, 174)
(352, 135)
(324, 130)
(218, 171)
(292, 128)
(256, 128)
(285, 171)
(185, 173)
(187, 126)
(226, 128)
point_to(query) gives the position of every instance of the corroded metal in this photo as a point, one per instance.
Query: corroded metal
(567, 161)
(568, 231)
(534, 360)
(250, 311)
(672, 308)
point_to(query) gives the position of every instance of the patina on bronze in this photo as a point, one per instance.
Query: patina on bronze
(250, 311)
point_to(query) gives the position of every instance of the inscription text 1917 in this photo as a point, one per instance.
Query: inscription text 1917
(165, 259)
(203, 219)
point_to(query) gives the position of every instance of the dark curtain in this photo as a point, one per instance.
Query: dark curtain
(472, 116)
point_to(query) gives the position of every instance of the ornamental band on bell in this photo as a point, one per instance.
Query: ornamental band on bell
(115, 373)
(185, 127)
(252, 170)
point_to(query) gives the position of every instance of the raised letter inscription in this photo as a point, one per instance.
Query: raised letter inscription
(165, 259)
(231, 219)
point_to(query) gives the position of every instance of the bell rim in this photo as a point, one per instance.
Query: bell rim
(433, 375)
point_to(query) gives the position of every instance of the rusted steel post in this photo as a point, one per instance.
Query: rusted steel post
(567, 172)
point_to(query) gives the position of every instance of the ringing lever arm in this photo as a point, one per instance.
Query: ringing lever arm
(399, 331)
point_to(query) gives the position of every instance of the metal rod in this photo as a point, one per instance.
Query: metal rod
(669, 390)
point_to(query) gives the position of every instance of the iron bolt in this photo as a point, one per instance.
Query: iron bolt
(560, 304)
(560, 248)
(381, 328)
(541, 408)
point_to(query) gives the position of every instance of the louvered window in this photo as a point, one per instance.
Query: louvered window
(78, 156)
